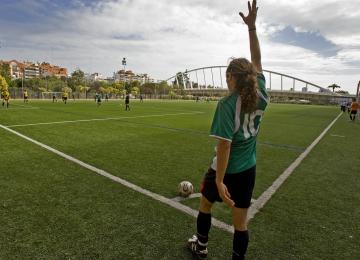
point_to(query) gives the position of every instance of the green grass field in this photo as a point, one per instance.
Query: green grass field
(51, 208)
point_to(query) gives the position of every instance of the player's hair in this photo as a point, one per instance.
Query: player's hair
(246, 82)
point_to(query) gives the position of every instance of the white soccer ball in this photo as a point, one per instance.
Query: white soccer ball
(185, 188)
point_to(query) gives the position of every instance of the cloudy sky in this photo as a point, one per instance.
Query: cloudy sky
(318, 41)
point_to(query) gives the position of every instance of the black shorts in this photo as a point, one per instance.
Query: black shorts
(240, 186)
(353, 112)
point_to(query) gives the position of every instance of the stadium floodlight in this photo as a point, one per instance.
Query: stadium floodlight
(124, 62)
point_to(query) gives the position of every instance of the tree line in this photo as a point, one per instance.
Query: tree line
(78, 85)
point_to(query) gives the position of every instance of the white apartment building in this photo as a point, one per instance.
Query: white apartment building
(128, 76)
(95, 77)
(32, 71)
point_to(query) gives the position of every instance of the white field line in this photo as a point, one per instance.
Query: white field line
(342, 136)
(16, 105)
(194, 195)
(103, 119)
(12, 108)
(191, 196)
(265, 197)
(134, 187)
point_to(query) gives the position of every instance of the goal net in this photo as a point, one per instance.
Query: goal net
(49, 95)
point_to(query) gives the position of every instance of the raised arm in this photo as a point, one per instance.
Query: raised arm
(250, 21)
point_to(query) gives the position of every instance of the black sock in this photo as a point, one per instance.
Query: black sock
(240, 244)
(203, 228)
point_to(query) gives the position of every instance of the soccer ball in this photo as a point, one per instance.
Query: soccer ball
(185, 188)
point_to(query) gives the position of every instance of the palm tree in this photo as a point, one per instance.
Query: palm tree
(334, 86)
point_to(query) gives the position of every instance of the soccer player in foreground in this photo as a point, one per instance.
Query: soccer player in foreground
(231, 177)
(6, 96)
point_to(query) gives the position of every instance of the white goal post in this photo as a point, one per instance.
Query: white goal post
(49, 95)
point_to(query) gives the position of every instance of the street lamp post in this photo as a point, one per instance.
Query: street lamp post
(358, 97)
(22, 83)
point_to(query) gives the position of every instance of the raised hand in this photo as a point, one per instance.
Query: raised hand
(250, 19)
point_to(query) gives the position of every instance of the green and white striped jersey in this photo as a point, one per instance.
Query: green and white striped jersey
(241, 129)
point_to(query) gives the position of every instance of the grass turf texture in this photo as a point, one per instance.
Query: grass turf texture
(155, 153)
(315, 214)
(53, 209)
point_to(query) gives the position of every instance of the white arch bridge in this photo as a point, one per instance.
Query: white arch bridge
(213, 77)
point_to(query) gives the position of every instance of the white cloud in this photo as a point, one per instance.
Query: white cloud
(162, 37)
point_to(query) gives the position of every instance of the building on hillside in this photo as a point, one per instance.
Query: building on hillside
(16, 68)
(46, 69)
(29, 70)
(128, 76)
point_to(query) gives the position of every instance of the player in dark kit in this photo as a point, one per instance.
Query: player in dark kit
(236, 123)
(353, 109)
(127, 102)
(98, 99)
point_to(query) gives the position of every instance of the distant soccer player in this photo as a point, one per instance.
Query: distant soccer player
(348, 106)
(236, 122)
(353, 109)
(98, 99)
(106, 97)
(141, 98)
(343, 106)
(54, 98)
(26, 96)
(127, 102)
(65, 96)
(5, 96)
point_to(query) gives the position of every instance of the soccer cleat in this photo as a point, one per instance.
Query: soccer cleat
(200, 251)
